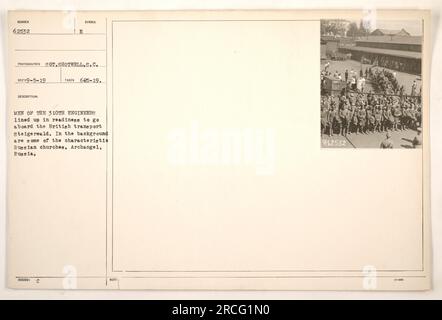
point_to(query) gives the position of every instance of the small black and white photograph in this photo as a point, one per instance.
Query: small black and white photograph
(371, 84)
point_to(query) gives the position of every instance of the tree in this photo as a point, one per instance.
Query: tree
(353, 30)
(333, 27)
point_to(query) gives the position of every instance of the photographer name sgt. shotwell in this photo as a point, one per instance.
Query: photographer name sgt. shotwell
(195, 146)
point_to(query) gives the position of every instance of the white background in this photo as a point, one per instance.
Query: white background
(436, 141)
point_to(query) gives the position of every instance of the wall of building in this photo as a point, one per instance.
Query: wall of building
(392, 46)
(408, 65)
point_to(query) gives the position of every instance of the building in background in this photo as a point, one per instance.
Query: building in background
(398, 52)
(386, 32)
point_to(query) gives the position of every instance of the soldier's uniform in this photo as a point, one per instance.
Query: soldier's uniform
(338, 120)
(355, 120)
(406, 117)
(397, 117)
(331, 118)
(387, 143)
(390, 118)
(413, 88)
(418, 115)
(412, 118)
(344, 115)
(349, 118)
(362, 117)
(324, 119)
(385, 118)
(370, 119)
(378, 119)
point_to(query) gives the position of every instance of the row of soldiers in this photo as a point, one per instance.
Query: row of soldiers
(362, 114)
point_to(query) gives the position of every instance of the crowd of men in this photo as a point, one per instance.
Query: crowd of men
(394, 63)
(356, 111)
(383, 80)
